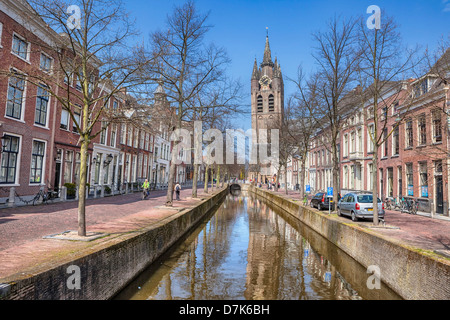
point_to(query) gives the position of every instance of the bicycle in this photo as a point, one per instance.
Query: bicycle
(410, 206)
(387, 204)
(145, 193)
(46, 196)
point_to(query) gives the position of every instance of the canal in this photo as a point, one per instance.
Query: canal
(247, 249)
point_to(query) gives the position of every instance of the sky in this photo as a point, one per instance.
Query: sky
(240, 27)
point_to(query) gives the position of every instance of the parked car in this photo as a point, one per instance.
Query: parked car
(359, 206)
(321, 201)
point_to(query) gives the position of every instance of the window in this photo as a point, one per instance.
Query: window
(385, 149)
(409, 179)
(370, 176)
(260, 104)
(77, 167)
(20, 47)
(46, 62)
(15, 101)
(141, 139)
(136, 139)
(10, 157)
(423, 179)
(409, 134)
(77, 117)
(68, 73)
(37, 161)
(123, 133)
(40, 115)
(395, 142)
(112, 141)
(68, 166)
(271, 103)
(422, 130)
(64, 124)
(345, 145)
(370, 134)
(130, 136)
(437, 130)
(97, 168)
(390, 180)
(103, 132)
(1, 29)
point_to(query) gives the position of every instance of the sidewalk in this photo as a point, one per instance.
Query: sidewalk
(22, 229)
(419, 230)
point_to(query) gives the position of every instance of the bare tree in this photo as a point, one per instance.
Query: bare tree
(337, 59)
(187, 64)
(383, 66)
(303, 103)
(92, 50)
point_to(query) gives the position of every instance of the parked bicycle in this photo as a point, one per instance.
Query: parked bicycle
(392, 204)
(47, 197)
(410, 206)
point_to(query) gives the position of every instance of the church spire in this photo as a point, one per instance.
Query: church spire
(267, 60)
(255, 73)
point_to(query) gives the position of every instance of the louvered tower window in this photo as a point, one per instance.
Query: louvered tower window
(271, 104)
(260, 104)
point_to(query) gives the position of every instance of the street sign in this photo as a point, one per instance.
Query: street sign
(330, 191)
(308, 188)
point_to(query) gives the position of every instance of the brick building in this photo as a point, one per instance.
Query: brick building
(414, 160)
(40, 142)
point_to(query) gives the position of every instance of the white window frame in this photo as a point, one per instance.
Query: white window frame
(44, 158)
(27, 59)
(18, 161)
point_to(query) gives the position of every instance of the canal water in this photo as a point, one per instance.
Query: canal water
(247, 249)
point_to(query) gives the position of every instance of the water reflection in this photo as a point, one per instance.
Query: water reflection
(249, 250)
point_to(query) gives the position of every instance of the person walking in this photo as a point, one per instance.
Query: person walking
(177, 190)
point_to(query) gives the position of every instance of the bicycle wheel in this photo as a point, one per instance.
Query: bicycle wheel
(36, 198)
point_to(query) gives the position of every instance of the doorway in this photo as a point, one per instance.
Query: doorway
(439, 194)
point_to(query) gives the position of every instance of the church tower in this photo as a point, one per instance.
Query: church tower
(267, 101)
(267, 92)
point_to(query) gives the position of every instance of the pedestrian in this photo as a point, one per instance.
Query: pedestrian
(177, 190)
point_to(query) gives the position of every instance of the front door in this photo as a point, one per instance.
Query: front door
(439, 195)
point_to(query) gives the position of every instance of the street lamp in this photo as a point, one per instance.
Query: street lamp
(108, 160)
(5, 139)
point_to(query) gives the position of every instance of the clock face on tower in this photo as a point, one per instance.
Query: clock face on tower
(265, 81)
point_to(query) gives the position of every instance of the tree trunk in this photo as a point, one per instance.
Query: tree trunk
(82, 189)
(336, 186)
(285, 180)
(218, 177)
(172, 170)
(205, 188)
(375, 184)
(194, 181)
(302, 179)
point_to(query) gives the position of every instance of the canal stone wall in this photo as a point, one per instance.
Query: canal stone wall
(410, 272)
(108, 269)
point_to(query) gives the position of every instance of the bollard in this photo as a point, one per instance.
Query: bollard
(63, 193)
(12, 197)
(102, 191)
(76, 193)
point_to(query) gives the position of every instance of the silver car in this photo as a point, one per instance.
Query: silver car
(359, 205)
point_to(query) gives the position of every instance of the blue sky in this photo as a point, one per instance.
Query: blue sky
(240, 27)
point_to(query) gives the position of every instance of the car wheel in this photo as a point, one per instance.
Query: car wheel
(311, 204)
(319, 206)
(339, 213)
(354, 218)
